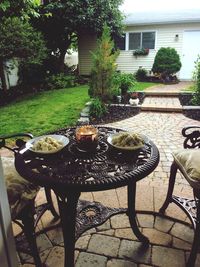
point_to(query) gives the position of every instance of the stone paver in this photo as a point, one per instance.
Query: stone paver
(172, 88)
(157, 237)
(120, 263)
(167, 257)
(105, 245)
(135, 251)
(88, 259)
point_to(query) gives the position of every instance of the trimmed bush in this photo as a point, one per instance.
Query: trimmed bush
(167, 62)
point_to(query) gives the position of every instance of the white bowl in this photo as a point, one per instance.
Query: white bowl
(60, 138)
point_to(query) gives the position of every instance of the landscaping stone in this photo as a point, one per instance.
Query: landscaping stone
(135, 251)
(105, 245)
(90, 260)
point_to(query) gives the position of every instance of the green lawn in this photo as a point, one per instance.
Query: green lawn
(141, 86)
(44, 111)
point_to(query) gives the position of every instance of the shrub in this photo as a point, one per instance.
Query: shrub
(166, 62)
(97, 108)
(31, 74)
(61, 80)
(124, 81)
(196, 78)
(102, 74)
(141, 75)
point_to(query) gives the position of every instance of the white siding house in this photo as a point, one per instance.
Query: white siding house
(152, 30)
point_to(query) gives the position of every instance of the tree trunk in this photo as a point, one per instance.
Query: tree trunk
(61, 60)
(2, 76)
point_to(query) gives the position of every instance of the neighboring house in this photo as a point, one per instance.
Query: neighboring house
(11, 73)
(152, 30)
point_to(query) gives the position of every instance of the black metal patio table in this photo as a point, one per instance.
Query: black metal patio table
(71, 171)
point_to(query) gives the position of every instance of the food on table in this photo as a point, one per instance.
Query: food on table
(127, 140)
(47, 144)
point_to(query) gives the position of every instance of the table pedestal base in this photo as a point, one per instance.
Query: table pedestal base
(93, 214)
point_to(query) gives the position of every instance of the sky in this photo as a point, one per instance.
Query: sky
(145, 5)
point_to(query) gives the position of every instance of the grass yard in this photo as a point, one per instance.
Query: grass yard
(141, 86)
(44, 111)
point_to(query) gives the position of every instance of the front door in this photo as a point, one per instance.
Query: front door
(191, 49)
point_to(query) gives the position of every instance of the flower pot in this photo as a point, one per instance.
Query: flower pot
(134, 102)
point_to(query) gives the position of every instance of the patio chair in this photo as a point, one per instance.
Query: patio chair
(187, 161)
(21, 196)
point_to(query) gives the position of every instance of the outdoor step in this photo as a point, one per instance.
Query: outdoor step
(162, 93)
(162, 103)
(161, 108)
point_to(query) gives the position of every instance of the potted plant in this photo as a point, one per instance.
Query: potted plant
(141, 52)
(134, 100)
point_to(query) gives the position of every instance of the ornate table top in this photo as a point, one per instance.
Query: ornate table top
(103, 169)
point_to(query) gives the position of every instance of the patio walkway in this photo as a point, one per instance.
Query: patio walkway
(113, 244)
(164, 98)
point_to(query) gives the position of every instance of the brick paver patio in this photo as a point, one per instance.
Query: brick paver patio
(113, 244)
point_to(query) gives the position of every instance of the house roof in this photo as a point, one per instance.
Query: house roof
(162, 17)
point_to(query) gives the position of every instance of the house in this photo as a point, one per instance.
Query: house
(152, 30)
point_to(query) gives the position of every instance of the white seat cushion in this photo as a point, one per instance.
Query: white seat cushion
(188, 161)
(19, 190)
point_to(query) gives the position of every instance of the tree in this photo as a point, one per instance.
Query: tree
(166, 62)
(196, 78)
(68, 18)
(19, 8)
(104, 67)
(18, 39)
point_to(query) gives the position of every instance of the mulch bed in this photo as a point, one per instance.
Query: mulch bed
(116, 113)
(186, 100)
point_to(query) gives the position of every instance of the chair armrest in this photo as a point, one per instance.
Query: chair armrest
(19, 142)
(192, 136)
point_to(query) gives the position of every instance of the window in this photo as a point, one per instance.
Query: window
(139, 40)
(120, 42)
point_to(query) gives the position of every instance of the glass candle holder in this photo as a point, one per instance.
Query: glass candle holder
(87, 138)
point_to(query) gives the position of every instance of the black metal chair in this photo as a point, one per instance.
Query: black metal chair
(187, 161)
(21, 196)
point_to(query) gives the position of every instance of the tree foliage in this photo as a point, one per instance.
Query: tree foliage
(104, 67)
(18, 39)
(196, 78)
(19, 8)
(68, 18)
(167, 61)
